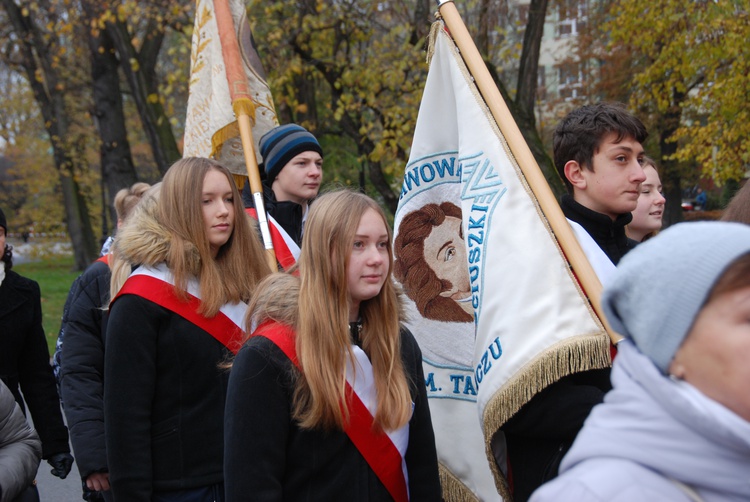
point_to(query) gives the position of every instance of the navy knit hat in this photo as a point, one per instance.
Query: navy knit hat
(281, 144)
(3, 222)
(660, 287)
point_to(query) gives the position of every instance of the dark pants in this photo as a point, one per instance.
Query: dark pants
(30, 494)
(213, 493)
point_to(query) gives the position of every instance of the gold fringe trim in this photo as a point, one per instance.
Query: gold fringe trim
(244, 106)
(432, 38)
(453, 489)
(239, 180)
(573, 355)
(231, 130)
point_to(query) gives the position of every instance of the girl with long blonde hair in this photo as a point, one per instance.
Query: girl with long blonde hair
(173, 322)
(327, 397)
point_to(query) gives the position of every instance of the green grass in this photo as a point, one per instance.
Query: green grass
(55, 275)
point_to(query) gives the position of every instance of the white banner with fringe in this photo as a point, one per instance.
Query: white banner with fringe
(490, 297)
(211, 128)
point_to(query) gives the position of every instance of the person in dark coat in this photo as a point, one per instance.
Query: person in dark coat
(599, 154)
(24, 359)
(171, 324)
(81, 359)
(292, 431)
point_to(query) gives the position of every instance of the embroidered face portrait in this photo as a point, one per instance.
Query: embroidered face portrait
(431, 263)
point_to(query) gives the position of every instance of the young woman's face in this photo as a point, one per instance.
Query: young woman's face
(218, 209)
(714, 356)
(369, 261)
(648, 213)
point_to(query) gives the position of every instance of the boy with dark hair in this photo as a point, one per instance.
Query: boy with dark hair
(598, 152)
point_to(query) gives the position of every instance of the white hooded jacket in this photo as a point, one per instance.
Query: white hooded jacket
(654, 438)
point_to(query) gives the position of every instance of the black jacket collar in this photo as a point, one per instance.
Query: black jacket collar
(608, 234)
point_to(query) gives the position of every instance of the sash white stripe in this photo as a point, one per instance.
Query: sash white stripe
(234, 311)
(362, 381)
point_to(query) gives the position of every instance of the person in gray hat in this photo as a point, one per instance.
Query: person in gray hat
(676, 425)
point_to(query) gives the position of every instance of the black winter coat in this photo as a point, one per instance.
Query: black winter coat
(269, 458)
(24, 360)
(82, 367)
(164, 393)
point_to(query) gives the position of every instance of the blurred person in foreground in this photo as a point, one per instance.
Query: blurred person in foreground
(20, 452)
(738, 208)
(676, 425)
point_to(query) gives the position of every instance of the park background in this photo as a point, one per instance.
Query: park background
(93, 98)
(94, 92)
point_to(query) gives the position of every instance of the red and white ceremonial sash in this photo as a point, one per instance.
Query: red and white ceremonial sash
(287, 251)
(384, 452)
(156, 284)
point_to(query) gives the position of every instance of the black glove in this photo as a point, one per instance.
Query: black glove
(61, 464)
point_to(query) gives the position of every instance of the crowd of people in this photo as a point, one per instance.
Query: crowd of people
(191, 371)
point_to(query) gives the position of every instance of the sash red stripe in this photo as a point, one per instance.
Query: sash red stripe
(283, 255)
(376, 447)
(162, 293)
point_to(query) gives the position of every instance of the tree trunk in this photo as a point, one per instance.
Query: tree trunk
(528, 77)
(49, 94)
(522, 108)
(528, 71)
(118, 170)
(138, 69)
(422, 21)
(672, 179)
(483, 33)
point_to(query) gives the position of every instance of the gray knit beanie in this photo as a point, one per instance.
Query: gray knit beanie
(659, 287)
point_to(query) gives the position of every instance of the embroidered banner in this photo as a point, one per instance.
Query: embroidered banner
(490, 297)
(211, 128)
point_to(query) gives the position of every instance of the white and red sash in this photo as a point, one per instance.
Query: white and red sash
(156, 284)
(384, 452)
(287, 251)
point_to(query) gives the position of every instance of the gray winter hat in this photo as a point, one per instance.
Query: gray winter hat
(659, 287)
